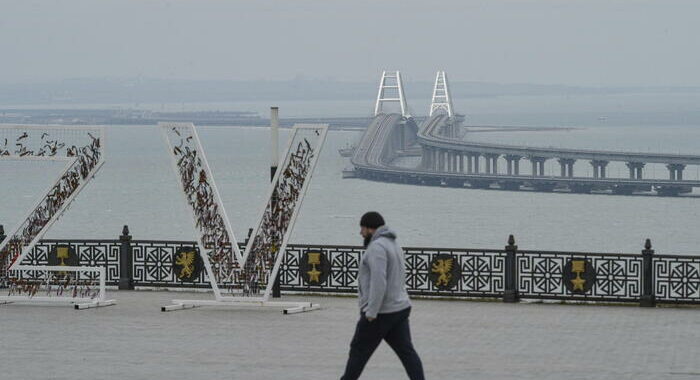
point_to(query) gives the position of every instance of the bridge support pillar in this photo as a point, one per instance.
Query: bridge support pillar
(675, 171)
(425, 157)
(635, 169)
(567, 167)
(537, 166)
(430, 153)
(436, 158)
(461, 162)
(512, 164)
(491, 163)
(599, 168)
(476, 164)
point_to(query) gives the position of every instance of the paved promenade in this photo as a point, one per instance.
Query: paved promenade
(457, 340)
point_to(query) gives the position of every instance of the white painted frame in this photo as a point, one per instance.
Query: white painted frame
(240, 301)
(81, 303)
(165, 127)
(323, 129)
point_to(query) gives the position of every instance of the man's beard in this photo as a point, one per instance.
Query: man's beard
(368, 238)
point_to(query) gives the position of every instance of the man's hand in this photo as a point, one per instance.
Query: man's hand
(370, 319)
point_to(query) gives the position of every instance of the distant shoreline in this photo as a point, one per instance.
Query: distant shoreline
(207, 118)
(143, 117)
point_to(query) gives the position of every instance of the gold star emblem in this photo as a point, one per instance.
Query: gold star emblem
(314, 275)
(578, 283)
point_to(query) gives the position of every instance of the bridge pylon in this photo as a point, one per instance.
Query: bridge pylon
(391, 91)
(441, 95)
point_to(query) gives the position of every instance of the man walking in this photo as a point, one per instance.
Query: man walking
(384, 303)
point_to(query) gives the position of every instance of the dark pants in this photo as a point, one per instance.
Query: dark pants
(392, 327)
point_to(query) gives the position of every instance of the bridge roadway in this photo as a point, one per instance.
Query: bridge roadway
(373, 146)
(443, 163)
(429, 137)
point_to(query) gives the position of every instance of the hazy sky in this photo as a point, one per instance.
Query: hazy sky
(580, 42)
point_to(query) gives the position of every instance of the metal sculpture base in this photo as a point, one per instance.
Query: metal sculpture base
(239, 302)
(79, 304)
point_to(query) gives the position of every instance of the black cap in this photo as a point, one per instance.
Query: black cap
(372, 219)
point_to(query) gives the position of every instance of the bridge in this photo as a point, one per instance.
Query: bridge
(447, 158)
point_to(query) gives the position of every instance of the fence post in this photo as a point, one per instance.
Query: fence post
(648, 298)
(511, 291)
(276, 287)
(126, 278)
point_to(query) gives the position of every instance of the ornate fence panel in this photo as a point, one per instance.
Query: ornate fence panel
(434, 272)
(154, 264)
(579, 276)
(89, 253)
(460, 273)
(677, 279)
(320, 268)
(455, 272)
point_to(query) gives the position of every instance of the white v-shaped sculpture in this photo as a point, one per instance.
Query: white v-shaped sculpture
(82, 149)
(243, 280)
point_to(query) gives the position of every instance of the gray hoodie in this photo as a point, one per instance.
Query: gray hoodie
(382, 277)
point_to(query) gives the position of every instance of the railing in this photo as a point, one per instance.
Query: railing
(509, 274)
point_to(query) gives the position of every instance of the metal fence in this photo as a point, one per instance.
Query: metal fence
(509, 273)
